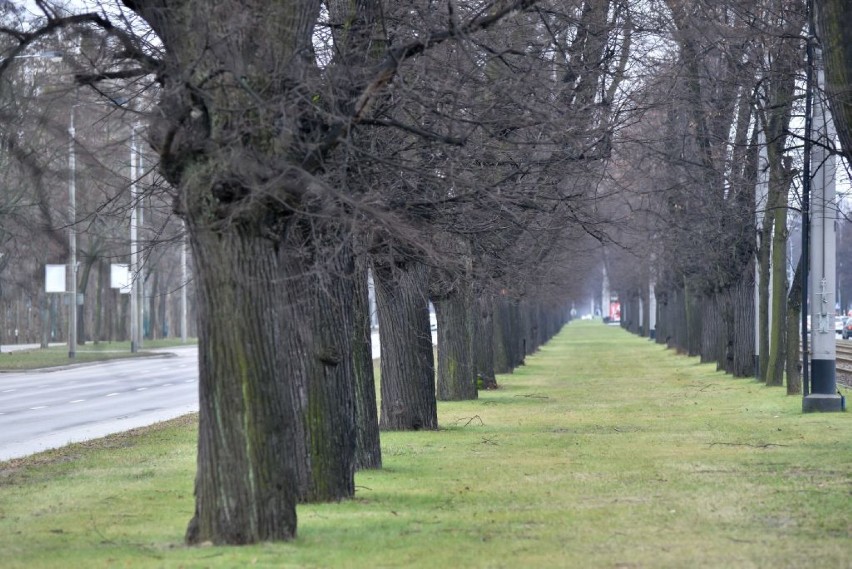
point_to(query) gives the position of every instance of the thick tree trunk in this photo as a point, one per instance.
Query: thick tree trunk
(501, 344)
(774, 374)
(368, 452)
(407, 356)
(763, 271)
(834, 23)
(677, 317)
(99, 303)
(709, 330)
(456, 375)
(694, 324)
(483, 340)
(728, 329)
(154, 323)
(744, 310)
(794, 316)
(329, 419)
(246, 484)
(518, 333)
(82, 286)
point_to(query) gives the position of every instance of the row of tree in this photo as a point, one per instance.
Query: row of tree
(38, 105)
(454, 151)
(474, 154)
(713, 178)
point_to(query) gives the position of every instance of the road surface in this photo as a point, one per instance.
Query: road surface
(48, 409)
(41, 410)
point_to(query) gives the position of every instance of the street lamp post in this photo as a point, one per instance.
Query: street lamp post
(183, 332)
(72, 241)
(134, 260)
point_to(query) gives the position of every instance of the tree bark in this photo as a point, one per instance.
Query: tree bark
(794, 319)
(246, 483)
(834, 25)
(368, 452)
(483, 340)
(500, 340)
(744, 310)
(456, 375)
(763, 308)
(329, 417)
(407, 356)
(774, 374)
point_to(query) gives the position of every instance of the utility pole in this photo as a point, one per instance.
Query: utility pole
(183, 331)
(140, 220)
(134, 261)
(72, 241)
(761, 199)
(823, 394)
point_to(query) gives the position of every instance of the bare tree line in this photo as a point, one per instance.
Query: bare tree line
(476, 155)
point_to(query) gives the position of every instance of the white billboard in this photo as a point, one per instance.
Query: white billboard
(119, 274)
(54, 278)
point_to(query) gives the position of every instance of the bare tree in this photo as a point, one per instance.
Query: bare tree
(834, 24)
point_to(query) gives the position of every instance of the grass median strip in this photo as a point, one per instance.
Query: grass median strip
(57, 356)
(605, 450)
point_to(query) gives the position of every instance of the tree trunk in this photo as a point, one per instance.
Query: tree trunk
(500, 339)
(368, 452)
(774, 374)
(99, 302)
(483, 340)
(246, 483)
(456, 375)
(329, 420)
(154, 323)
(694, 323)
(82, 286)
(709, 330)
(763, 270)
(744, 309)
(517, 333)
(834, 23)
(407, 356)
(794, 318)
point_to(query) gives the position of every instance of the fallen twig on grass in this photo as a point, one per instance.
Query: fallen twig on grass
(469, 420)
(762, 445)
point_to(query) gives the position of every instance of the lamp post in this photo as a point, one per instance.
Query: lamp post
(183, 245)
(134, 260)
(72, 240)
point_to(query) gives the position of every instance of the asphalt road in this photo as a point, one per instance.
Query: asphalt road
(48, 409)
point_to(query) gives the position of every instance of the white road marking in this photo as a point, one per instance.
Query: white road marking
(141, 389)
(189, 381)
(167, 384)
(77, 401)
(7, 391)
(39, 407)
(111, 394)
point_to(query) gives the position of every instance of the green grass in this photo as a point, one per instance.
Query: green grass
(56, 356)
(603, 451)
